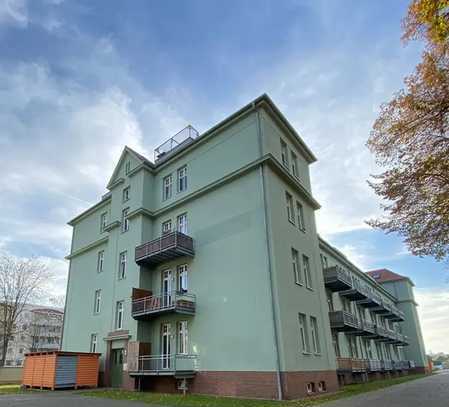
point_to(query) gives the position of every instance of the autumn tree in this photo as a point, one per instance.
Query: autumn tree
(21, 282)
(410, 140)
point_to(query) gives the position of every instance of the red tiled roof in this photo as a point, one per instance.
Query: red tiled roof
(384, 275)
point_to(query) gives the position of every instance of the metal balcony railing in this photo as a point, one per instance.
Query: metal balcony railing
(180, 139)
(172, 301)
(343, 321)
(352, 364)
(374, 365)
(387, 365)
(358, 291)
(337, 279)
(179, 365)
(165, 247)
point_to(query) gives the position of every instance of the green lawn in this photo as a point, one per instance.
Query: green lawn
(211, 401)
(9, 388)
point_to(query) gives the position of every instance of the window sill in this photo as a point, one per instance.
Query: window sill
(310, 288)
(300, 284)
(292, 222)
(307, 353)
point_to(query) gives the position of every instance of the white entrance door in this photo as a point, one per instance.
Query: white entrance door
(167, 288)
(166, 348)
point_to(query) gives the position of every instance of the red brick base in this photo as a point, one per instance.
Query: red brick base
(247, 384)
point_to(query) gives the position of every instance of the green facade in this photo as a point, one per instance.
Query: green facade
(247, 301)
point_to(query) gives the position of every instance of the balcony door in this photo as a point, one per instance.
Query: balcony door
(166, 346)
(167, 284)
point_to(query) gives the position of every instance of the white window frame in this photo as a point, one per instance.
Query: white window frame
(315, 336)
(181, 223)
(119, 314)
(166, 227)
(307, 271)
(297, 272)
(183, 278)
(97, 301)
(100, 261)
(127, 167)
(93, 343)
(303, 333)
(183, 338)
(122, 265)
(300, 215)
(167, 187)
(294, 159)
(284, 153)
(182, 179)
(290, 207)
(125, 220)
(103, 221)
(125, 194)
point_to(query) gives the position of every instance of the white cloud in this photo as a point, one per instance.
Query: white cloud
(14, 12)
(434, 315)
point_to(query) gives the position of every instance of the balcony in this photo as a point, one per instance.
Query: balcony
(374, 365)
(395, 314)
(171, 302)
(356, 293)
(368, 328)
(166, 247)
(337, 279)
(387, 365)
(382, 309)
(179, 366)
(372, 300)
(401, 365)
(344, 321)
(352, 365)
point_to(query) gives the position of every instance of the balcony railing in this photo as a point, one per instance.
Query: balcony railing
(401, 364)
(173, 301)
(395, 314)
(387, 365)
(358, 292)
(344, 321)
(166, 247)
(352, 365)
(337, 279)
(368, 328)
(374, 365)
(179, 365)
(372, 300)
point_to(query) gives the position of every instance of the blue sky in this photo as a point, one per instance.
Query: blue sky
(79, 80)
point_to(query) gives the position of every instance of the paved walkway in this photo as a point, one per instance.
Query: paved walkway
(432, 391)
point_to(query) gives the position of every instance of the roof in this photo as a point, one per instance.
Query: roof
(385, 275)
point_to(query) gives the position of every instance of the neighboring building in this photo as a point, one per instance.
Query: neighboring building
(38, 329)
(203, 270)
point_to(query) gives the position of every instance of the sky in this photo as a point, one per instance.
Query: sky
(80, 79)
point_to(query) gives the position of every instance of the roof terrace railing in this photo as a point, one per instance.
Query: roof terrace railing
(187, 134)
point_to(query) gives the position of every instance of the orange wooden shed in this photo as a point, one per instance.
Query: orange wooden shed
(59, 370)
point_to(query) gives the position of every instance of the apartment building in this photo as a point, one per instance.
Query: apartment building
(38, 329)
(202, 271)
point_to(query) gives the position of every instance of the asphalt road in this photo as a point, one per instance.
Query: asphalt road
(432, 391)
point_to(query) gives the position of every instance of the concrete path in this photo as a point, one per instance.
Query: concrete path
(432, 391)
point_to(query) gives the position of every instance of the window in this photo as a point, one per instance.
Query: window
(100, 261)
(303, 335)
(166, 227)
(93, 343)
(315, 338)
(300, 211)
(167, 187)
(294, 164)
(127, 167)
(322, 386)
(307, 273)
(182, 179)
(119, 315)
(182, 223)
(97, 302)
(182, 278)
(336, 344)
(284, 153)
(324, 263)
(122, 265)
(183, 348)
(125, 220)
(103, 221)
(310, 388)
(126, 194)
(290, 209)
(296, 267)
(330, 302)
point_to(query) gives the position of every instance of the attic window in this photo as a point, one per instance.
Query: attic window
(376, 276)
(128, 167)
